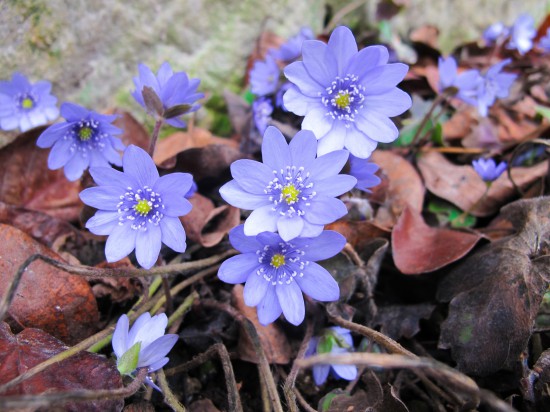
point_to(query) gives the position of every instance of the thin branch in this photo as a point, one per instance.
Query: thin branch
(10, 293)
(169, 397)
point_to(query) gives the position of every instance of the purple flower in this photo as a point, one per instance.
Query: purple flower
(173, 89)
(277, 272)
(85, 139)
(264, 76)
(137, 209)
(544, 41)
(495, 32)
(465, 83)
(261, 111)
(292, 49)
(332, 340)
(493, 84)
(26, 105)
(488, 170)
(291, 192)
(154, 345)
(346, 96)
(364, 171)
(522, 34)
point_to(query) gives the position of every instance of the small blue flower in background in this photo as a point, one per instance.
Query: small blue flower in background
(488, 170)
(494, 84)
(332, 340)
(148, 333)
(137, 209)
(522, 34)
(292, 48)
(173, 89)
(264, 76)
(25, 105)
(496, 32)
(346, 96)
(85, 139)
(544, 41)
(465, 83)
(279, 102)
(261, 112)
(291, 192)
(277, 272)
(364, 171)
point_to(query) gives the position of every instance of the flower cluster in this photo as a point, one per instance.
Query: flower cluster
(332, 340)
(25, 105)
(519, 36)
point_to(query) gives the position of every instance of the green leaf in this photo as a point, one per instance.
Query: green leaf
(326, 343)
(128, 362)
(448, 214)
(249, 97)
(543, 111)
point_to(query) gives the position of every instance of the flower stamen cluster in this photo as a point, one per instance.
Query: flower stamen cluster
(344, 98)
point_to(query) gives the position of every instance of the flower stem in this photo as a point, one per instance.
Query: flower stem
(462, 216)
(155, 136)
(437, 101)
(169, 396)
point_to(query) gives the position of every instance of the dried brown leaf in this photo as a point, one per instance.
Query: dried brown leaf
(402, 321)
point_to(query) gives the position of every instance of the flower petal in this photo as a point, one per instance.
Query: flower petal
(75, 167)
(236, 196)
(52, 134)
(296, 72)
(155, 366)
(73, 112)
(343, 45)
(320, 374)
(292, 302)
(103, 222)
(269, 309)
(243, 243)
(298, 103)
(101, 197)
(176, 184)
(175, 204)
(367, 59)
(289, 227)
(318, 283)
(148, 245)
(138, 164)
(391, 103)
(140, 323)
(381, 79)
(173, 233)
(360, 144)
(107, 176)
(237, 269)
(60, 154)
(263, 219)
(329, 164)
(318, 122)
(326, 245)
(149, 331)
(120, 336)
(319, 62)
(324, 210)
(252, 176)
(120, 242)
(275, 151)
(333, 140)
(255, 289)
(310, 230)
(335, 185)
(377, 127)
(157, 350)
(347, 372)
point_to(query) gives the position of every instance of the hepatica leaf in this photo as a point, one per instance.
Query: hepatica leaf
(128, 362)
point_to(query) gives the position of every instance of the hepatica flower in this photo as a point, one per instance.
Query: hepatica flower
(173, 89)
(261, 113)
(488, 170)
(291, 192)
(137, 209)
(145, 345)
(277, 272)
(494, 83)
(522, 34)
(463, 85)
(544, 41)
(332, 340)
(346, 96)
(25, 105)
(495, 32)
(292, 48)
(264, 76)
(364, 171)
(85, 139)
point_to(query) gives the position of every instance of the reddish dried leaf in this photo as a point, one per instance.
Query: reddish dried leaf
(419, 248)
(459, 125)
(462, 186)
(118, 289)
(25, 179)
(85, 370)
(495, 294)
(359, 233)
(47, 298)
(273, 340)
(405, 187)
(133, 131)
(206, 224)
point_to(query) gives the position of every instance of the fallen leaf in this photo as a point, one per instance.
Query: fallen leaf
(495, 293)
(133, 131)
(273, 340)
(541, 371)
(203, 405)
(359, 233)
(117, 289)
(426, 34)
(462, 186)
(26, 181)
(85, 370)
(402, 321)
(419, 248)
(47, 298)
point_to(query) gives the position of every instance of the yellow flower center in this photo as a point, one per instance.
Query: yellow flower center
(342, 100)
(277, 260)
(290, 193)
(85, 134)
(27, 103)
(143, 207)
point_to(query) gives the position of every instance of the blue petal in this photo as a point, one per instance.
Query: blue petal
(391, 103)
(103, 222)
(297, 74)
(243, 243)
(236, 196)
(120, 336)
(324, 210)
(52, 134)
(319, 62)
(292, 302)
(263, 219)
(176, 184)
(238, 268)
(138, 164)
(255, 289)
(73, 112)
(60, 154)
(324, 246)
(303, 148)
(107, 176)
(376, 126)
(381, 79)
(289, 227)
(75, 167)
(269, 309)
(343, 45)
(275, 151)
(329, 164)
(140, 322)
(120, 242)
(367, 59)
(310, 230)
(173, 233)
(252, 176)
(157, 350)
(296, 102)
(318, 122)
(335, 185)
(318, 283)
(155, 366)
(175, 205)
(359, 142)
(148, 245)
(164, 73)
(320, 374)
(333, 140)
(347, 372)
(101, 197)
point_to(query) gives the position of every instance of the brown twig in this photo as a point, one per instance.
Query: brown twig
(169, 397)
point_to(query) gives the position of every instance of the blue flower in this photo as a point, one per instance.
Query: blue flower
(26, 105)
(493, 84)
(261, 113)
(172, 89)
(346, 96)
(137, 209)
(488, 170)
(291, 192)
(495, 32)
(465, 84)
(364, 171)
(277, 272)
(292, 48)
(85, 139)
(544, 41)
(154, 345)
(332, 340)
(264, 76)
(522, 34)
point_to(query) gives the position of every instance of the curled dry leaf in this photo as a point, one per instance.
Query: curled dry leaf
(402, 321)
(405, 187)
(118, 289)
(419, 248)
(495, 293)
(26, 181)
(462, 186)
(273, 340)
(206, 224)
(85, 370)
(47, 298)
